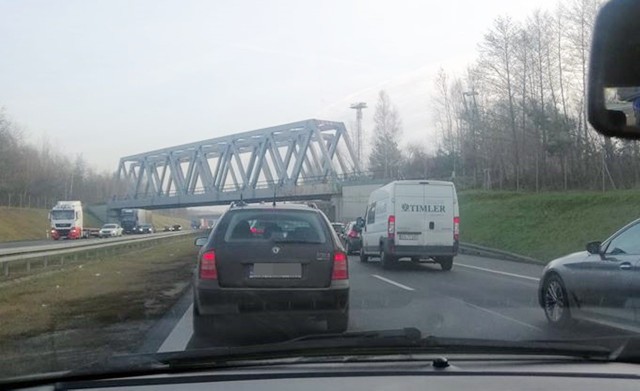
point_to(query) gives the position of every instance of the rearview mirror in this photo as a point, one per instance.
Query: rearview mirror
(593, 247)
(200, 242)
(614, 79)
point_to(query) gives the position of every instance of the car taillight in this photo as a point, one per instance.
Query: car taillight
(456, 228)
(354, 234)
(208, 269)
(391, 226)
(340, 266)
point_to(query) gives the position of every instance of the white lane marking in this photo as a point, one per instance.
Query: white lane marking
(501, 315)
(499, 272)
(399, 285)
(181, 334)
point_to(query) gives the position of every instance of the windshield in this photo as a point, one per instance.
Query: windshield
(340, 166)
(62, 215)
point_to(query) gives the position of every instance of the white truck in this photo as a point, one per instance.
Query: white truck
(66, 220)
(416, 219)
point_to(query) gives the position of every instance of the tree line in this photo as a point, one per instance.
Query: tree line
(39, 177)
(516, 119)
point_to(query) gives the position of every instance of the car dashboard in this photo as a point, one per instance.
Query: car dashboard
(456, 373)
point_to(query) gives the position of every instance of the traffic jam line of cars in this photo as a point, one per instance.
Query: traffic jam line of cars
(290, 257)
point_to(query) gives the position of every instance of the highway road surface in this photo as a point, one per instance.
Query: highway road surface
(479, 298)
(23, 244)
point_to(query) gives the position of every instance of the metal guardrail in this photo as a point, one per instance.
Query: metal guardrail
(474, 249)
(57, 245)
(50, 253)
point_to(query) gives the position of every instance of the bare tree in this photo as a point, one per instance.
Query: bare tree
(385, 158)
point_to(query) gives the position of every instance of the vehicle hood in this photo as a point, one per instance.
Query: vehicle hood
(568, 259)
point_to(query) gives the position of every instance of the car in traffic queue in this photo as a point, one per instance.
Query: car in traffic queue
(110, 231)
(145, 229)
(352, 238)
(338, 228)
(296, 266)
(176, 227)
(600, 284)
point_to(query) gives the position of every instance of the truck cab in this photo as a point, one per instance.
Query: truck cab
(66, 220)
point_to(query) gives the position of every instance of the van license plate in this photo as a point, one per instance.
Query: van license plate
(408, 236)
(276, 270)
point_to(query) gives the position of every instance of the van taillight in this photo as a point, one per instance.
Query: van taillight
(340, 266)
(208, 269)
(456, 228)
(391, 226)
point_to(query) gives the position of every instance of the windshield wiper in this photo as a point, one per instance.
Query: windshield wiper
(360, 343)
(380, 342)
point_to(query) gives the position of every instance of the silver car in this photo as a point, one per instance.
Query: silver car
(110, 231)
(601, 284)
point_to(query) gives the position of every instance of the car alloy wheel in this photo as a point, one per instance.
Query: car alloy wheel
(556, 306)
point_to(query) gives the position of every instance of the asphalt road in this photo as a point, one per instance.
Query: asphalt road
(50, 242)
(479, 298)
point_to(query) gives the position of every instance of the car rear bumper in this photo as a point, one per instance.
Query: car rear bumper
(211, 299)
(354, 244)
(423, 251)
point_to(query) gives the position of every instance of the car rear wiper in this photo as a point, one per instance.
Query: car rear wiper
(297, 241)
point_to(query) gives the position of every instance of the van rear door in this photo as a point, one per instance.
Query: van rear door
(424, 214)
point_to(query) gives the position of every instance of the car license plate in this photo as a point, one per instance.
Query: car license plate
(276, 270)
(409, 236)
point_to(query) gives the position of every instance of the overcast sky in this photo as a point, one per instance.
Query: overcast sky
(113, 78)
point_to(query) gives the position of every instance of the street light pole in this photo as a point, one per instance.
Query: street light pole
(358, 108)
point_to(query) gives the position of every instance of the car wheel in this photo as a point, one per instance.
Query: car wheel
(364, 258)
(388, 262)
(202, 324)
(338, 323)
(446, 263)
(556, 302)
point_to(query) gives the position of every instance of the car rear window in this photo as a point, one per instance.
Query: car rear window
(275, 225)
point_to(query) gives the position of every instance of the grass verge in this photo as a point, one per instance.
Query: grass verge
(545, 225)
(91, 310)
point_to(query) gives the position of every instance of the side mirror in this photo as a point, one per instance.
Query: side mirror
(593, 247)
(360, 222)
(199, 242)
(614, 80)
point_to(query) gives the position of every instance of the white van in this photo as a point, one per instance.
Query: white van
(417, 219)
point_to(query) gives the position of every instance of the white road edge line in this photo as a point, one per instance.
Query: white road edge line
(180, 336)
(399, 285)
(499, 272)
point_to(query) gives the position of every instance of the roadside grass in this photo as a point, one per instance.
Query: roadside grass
(33, 224)
(544, 225)
(94, 307)
(23, 224)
